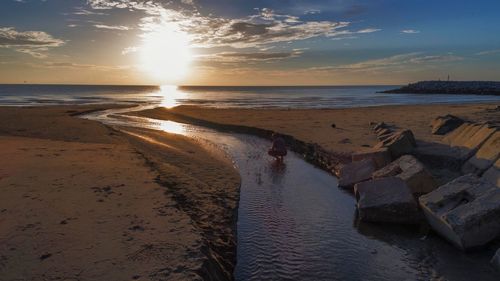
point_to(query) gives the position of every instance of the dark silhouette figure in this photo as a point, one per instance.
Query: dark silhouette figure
(278, 150)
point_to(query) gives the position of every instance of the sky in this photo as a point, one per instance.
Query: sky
(260, 42)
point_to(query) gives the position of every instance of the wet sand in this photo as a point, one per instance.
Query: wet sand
(83, 201)
(352, 130)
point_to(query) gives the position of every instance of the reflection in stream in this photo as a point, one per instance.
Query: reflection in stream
(295, 224)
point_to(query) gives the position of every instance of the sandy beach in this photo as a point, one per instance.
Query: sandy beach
(352, 126)
(83, 201)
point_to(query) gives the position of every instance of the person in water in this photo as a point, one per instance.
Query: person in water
(278, 150)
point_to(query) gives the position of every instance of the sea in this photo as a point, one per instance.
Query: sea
(224, 96)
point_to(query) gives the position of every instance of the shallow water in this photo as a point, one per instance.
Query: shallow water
(294, 223)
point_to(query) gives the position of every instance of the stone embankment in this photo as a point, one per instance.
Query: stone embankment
(450, 87)
(393, 185)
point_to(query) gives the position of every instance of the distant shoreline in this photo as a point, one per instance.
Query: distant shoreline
(450, 88)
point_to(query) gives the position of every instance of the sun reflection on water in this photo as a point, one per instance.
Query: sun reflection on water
(172, 127)
(171, 96)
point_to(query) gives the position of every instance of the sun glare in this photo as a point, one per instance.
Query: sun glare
(171, 96)
(165, 53)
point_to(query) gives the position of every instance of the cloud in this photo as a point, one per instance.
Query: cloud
(80, 11)
(10, 37)
(233, 57)
(488, 52)
(265, 27)
(410, 31)
(111, 27)
(129, 50)
(396, 61)
(71, 65)
(34, 43)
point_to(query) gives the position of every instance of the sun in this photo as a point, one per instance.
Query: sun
(165, 53)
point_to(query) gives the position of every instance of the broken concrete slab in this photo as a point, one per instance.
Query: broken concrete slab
(352, 173)
(386, 200)
(463, 133)
(445, 124)
(469, 138)
(380, 156)
(485, 157)
(466, 211)
(492, 175)
(399, 143)
(438, 156)
(410, 170)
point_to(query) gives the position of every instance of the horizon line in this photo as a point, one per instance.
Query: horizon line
(188, 85)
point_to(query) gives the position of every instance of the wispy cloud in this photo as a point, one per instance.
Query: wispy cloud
(112, 27)
(129, 50)
(34, 43)
(80, 11)
(488, 52)
(396, 61)
(410, 31)
(71, 65)
(249, 56)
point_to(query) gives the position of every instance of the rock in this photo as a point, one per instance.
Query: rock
(468, 138)
(352, 173)
(466, 211)
(384, 131)
(439, 156)
(333, 125)
(387, 200)
(399, 144)
(445, 124)
(492, 175)
(380, 156)
(412, 172)
(495, 261)
(379, 126)
(484, 158)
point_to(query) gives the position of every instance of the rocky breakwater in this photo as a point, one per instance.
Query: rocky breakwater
(393, 185)
(450, 87)
(387, 179)
(466, 210)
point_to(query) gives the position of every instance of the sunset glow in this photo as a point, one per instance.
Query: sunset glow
(165, 53)
(185, 42)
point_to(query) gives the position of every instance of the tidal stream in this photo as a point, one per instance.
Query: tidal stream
(294, 223)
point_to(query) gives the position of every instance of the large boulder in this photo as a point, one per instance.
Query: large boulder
(445, 124)
(352, 173)
(380, 156)
(495, 261)
(399, 143)
(387, 200)
(485, 157)
(466, 211)
(410, 170)
(492, 175)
